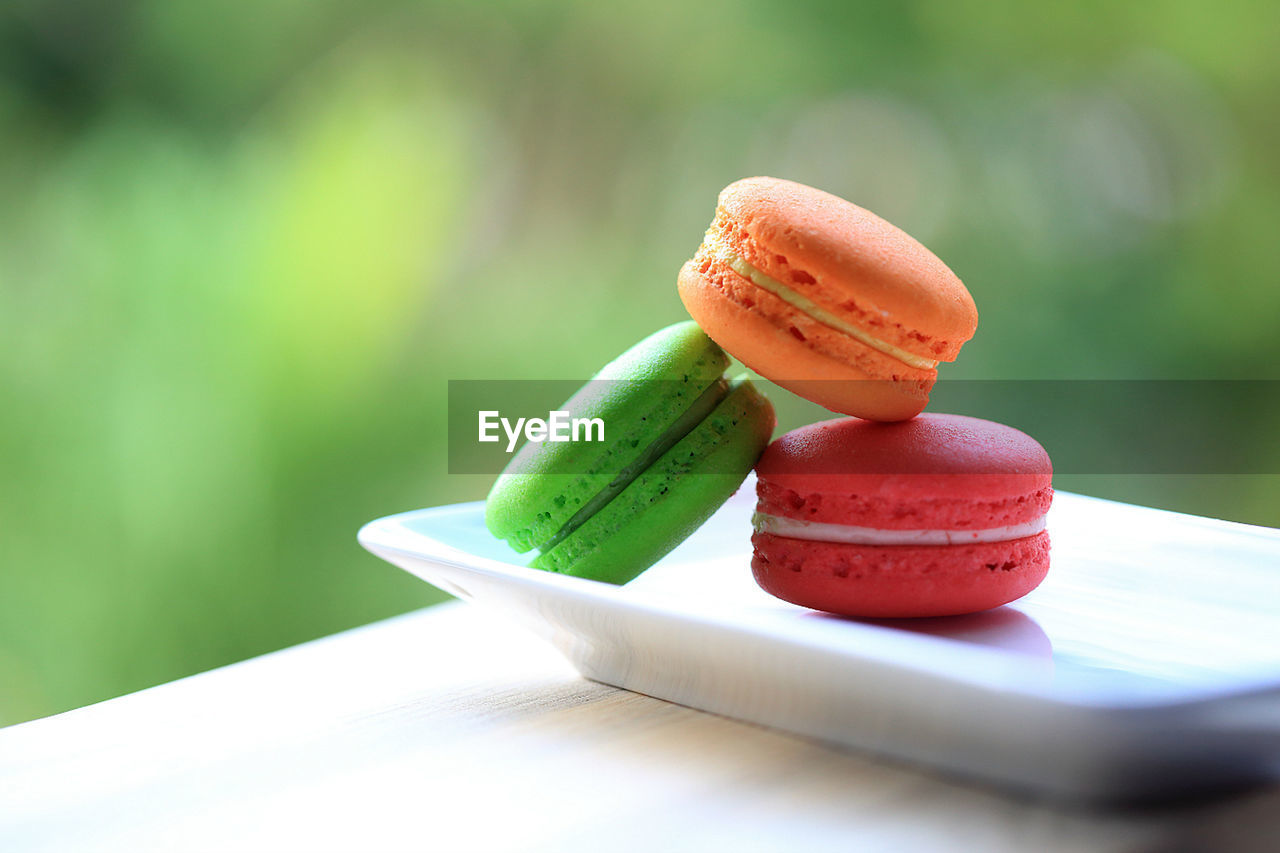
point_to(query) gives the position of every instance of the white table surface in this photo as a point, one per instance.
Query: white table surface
(447, 729)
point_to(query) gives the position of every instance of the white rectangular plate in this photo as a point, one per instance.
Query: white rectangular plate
(1146, 665)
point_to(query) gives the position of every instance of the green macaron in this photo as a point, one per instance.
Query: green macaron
(679, 438)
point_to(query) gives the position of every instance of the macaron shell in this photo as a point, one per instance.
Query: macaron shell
(673, 497)
(932, 456)
(890, 510)
(796, 352)
(898, 581)
(638, 395)
(798, 234)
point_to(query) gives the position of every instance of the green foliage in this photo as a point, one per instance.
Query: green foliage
(244, 245)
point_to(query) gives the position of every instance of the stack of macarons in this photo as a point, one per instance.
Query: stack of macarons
(880, 514)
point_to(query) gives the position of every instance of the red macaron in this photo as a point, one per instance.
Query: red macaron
(936, 516)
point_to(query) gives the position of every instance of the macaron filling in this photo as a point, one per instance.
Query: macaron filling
(697, 412)
(800, 302)
(847, 534)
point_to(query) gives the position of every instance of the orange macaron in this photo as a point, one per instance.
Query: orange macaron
(826, 299)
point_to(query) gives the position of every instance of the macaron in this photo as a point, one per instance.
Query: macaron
(936, 516)
(826, 299)
(678, 439)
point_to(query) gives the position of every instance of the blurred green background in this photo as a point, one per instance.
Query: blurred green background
(243, 245)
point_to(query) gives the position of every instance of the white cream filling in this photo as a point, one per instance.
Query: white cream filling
(808, 306)
(847, 534)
